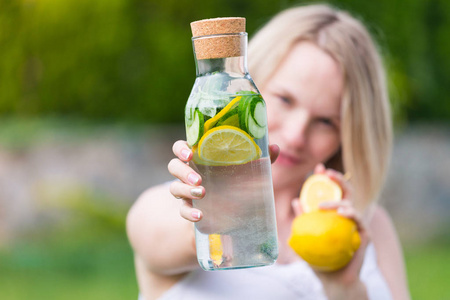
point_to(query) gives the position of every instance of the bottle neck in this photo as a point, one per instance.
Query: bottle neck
(234, 66)
(221, 53)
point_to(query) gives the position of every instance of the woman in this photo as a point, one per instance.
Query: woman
(323, 82)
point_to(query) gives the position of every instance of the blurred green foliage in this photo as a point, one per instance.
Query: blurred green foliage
(79, 250)
(428, 270)
(131, 60)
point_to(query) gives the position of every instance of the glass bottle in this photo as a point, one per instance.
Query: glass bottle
(226, 128)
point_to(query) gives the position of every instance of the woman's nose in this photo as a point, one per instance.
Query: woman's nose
(295, 129)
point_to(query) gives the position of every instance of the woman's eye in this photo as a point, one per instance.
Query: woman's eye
(326, 121)
(284, 99)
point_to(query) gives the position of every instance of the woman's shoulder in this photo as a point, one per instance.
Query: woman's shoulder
(380, 224)
(382, 231)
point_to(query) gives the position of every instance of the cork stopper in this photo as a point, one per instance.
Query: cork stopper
(218, 38)
(217, 26)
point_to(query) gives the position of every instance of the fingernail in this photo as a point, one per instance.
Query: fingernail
(195, 215)
(330, 172)
(192, 178)
(196, 192)
(185, 154)
(340, 210)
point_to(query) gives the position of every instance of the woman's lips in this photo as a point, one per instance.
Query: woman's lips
(287, 160)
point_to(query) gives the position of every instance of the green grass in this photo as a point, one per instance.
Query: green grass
(100, 269)
(428, 269)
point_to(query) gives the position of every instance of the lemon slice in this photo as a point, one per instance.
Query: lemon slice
(316, 189)
(213, 121)
(227, 145)
(215, 248)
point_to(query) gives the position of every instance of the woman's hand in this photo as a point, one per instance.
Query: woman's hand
(343, 283)
(350, 273)
(189, 185)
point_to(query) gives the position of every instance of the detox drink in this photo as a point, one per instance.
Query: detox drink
(238, 229)
(226, 128)
(228, 136)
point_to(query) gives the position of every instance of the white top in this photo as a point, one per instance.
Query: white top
(290, 281)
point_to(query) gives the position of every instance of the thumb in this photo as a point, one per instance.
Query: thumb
(296, 207)
(274, 151)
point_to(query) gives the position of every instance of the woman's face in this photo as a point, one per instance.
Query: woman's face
(303, 100)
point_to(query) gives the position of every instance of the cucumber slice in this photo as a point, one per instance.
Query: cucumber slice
(255, 130)
(243, 112)
(259, 114)
(247, 93)
(189, 116)
(195, 131)
(252, 116)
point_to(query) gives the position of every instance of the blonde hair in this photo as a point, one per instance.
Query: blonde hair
(366, 129)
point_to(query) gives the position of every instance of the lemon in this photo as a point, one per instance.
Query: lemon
(227, 145)
(324, 239)
(215, 248)
(316, 189)
(223, 113)
(231, 118)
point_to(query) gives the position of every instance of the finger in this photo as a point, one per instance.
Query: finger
(189, 213)
(357, 261)
(274, 151)
(181, 190)
(345, 209)
(296, 207)
(334, 205)
(183, 172)
(319, 169)
(182, 151)
(350, 212)
(347, 188)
